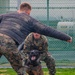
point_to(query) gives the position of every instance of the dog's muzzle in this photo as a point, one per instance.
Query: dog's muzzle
(33, 58)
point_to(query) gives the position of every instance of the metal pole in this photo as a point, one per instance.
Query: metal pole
(18, 3)
(47, 12)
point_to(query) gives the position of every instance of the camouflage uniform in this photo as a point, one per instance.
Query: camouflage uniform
(9, 50)
(41, 45)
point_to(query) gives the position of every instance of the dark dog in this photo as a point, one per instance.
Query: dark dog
(33, 64)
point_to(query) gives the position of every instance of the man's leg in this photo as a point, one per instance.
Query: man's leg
(10, 51)
(16, 62)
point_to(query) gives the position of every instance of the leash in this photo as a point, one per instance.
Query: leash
(20, 47)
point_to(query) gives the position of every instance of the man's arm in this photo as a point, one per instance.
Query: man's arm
(45, 43)
(48, 59)
(0, 55)
(49, 31)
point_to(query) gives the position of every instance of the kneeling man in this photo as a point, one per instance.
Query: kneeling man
(35, 41)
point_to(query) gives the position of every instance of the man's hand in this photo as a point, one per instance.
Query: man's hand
(70, 40)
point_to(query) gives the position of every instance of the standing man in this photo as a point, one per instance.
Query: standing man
(14, 27)
(35, 41)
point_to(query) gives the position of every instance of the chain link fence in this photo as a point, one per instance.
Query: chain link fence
(50, 12)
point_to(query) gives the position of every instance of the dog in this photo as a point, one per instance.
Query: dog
(33, 64)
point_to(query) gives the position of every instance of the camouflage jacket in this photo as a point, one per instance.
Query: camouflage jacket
(39, 44)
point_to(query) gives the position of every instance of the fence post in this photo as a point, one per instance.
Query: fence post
(47, 12)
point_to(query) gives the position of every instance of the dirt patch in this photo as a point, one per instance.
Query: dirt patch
(3, 71)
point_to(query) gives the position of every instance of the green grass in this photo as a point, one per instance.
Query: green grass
(10, 71)
(65, 71)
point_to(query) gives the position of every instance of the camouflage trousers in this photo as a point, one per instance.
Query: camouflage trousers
(10, 51)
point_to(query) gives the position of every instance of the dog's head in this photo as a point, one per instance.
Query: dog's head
(34, 57)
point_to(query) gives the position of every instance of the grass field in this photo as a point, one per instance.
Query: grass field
(60, 71)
